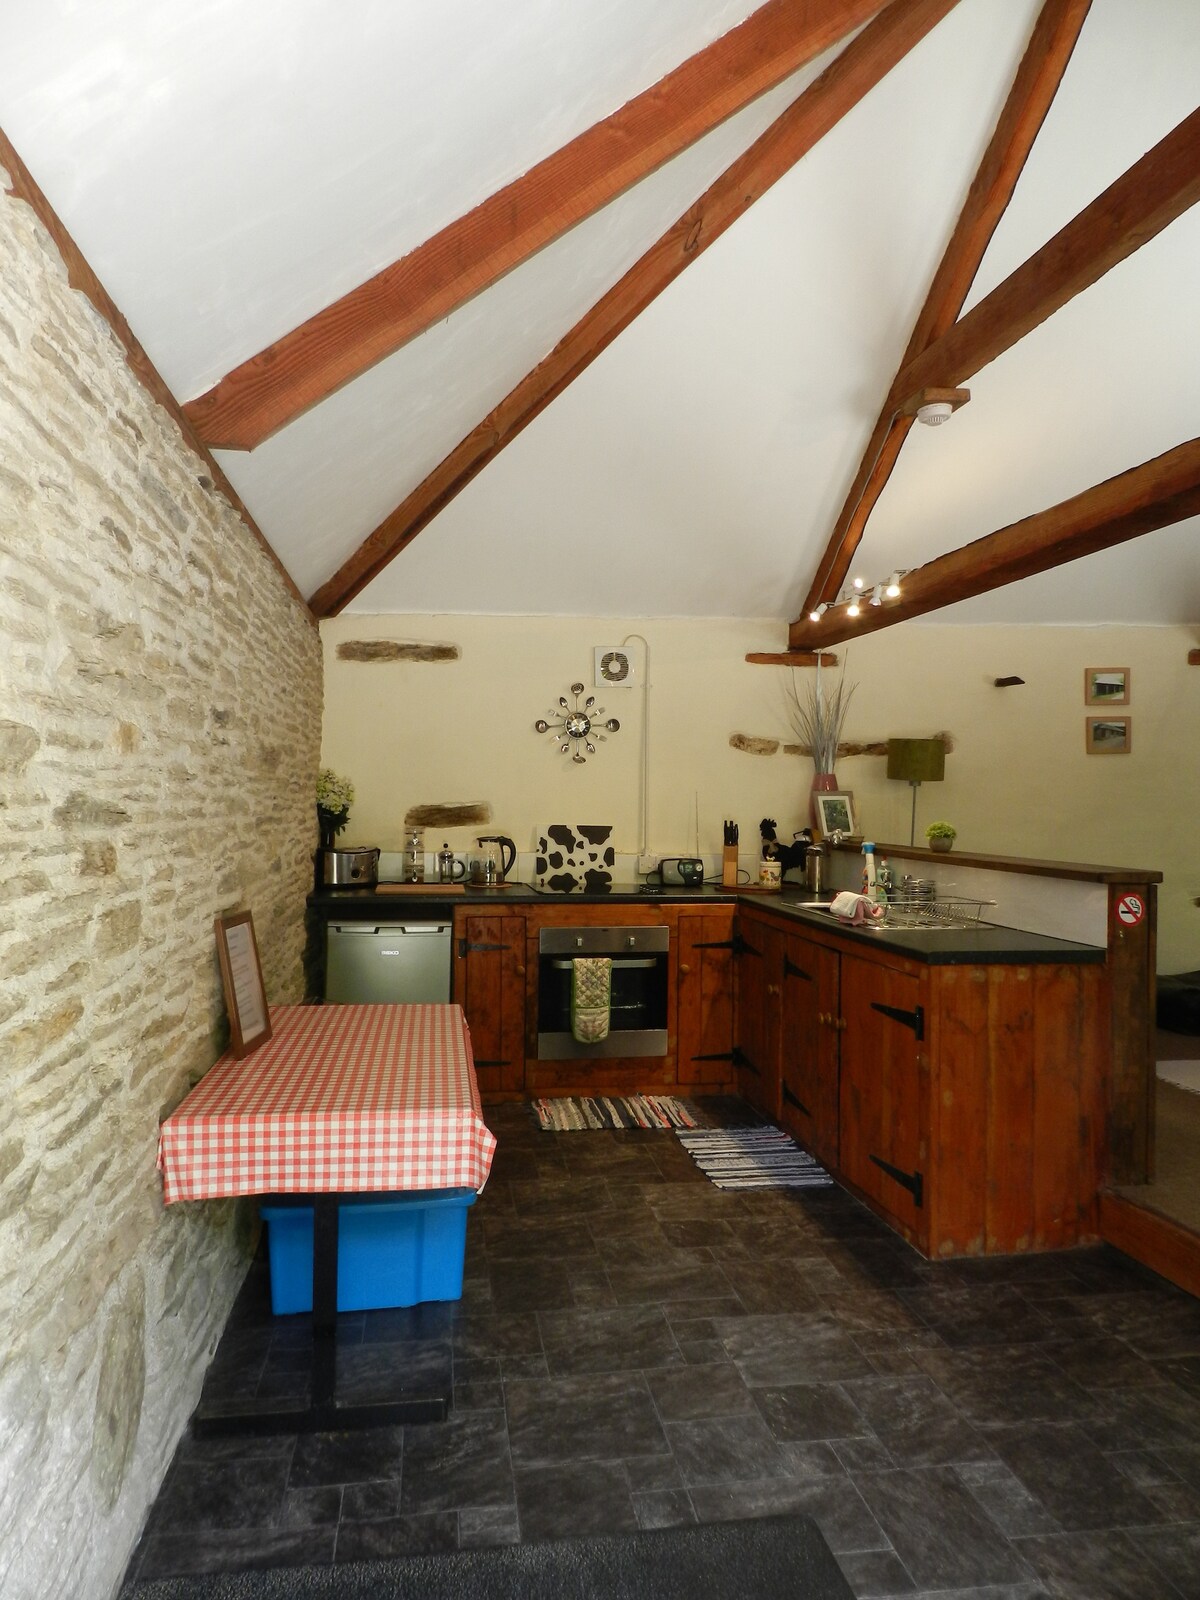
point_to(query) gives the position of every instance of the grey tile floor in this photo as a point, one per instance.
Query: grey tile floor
(637, 1348)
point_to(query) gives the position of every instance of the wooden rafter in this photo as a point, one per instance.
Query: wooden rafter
(1033, 89)
(1154, 495)
(867, 59)
(1139, 205)
(376, 319)
(81, 277)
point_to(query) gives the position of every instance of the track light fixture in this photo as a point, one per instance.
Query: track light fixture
(858, 591)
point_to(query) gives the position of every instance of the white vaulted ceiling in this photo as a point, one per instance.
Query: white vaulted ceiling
(229, 169)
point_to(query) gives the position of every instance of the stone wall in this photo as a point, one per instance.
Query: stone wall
(160, 702)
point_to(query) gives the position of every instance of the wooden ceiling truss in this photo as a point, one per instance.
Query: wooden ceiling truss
(1029, 99)
(867, 59)
(343, 341)
(1154, 495)
(1139, 205)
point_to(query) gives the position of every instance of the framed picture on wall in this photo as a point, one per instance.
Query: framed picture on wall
(241, 978)
(1109, 736)
(835, 812)
(1106, 686)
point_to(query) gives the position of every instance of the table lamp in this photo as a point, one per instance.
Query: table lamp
(916, 761)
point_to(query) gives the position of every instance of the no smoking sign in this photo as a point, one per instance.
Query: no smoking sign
(1131, 908)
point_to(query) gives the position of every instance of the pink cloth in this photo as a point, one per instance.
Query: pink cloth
(855, 908)
(340, 1098)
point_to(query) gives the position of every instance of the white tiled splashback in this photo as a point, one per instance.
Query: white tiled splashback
(1062, 908)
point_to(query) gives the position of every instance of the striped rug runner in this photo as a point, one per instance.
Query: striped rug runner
(568, 1115)
(753, 1158)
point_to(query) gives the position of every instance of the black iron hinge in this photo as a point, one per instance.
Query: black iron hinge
(794, 1100)
(480, 1063)
(742, 947)
(911, 1019)
(721, 1055)
(715, 944)
(791, 970)
(741, 1059)
(914, 1182)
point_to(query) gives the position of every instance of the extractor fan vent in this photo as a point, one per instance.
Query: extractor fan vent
(616, 667)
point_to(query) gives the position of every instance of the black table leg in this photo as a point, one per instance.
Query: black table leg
(322, 1414)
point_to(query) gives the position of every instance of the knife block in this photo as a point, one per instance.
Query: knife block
(729, 866)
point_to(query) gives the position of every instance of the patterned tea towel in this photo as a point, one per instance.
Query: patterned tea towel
(591, 996)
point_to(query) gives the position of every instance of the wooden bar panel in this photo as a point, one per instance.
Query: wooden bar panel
(959, 1118)
(1011, 1094)
(1131, 968)
(1061, 1155)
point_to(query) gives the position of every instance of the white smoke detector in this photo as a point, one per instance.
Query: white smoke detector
(934, 412)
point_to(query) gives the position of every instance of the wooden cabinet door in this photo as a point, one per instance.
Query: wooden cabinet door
(704, 995)
(758, 964)
(808, 1047)
(489, 984)
(882, 1139)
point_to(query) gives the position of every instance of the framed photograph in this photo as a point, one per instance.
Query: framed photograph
(1106, 686)
(1109, 736)
(835, 812)
(241, 978)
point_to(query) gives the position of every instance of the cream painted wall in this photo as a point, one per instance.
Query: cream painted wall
(1019, 781)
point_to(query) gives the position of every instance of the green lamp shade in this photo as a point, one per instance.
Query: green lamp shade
(916, 760)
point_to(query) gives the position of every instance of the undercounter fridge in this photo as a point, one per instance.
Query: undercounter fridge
(368, 963)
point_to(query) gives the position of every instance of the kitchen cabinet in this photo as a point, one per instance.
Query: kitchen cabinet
(489, 984)
(965, 1103)
(704, 993)
(879, 1027)
(757, 968)
(809, 984)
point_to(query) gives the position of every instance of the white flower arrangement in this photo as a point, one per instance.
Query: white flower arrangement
(335, 796)
(334, 793)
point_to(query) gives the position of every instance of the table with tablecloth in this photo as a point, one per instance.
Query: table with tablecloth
(341, 1101)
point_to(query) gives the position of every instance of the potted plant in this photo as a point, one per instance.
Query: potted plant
(940, 835)
(334, 798)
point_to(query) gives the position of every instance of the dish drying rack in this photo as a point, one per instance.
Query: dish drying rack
(921, 911)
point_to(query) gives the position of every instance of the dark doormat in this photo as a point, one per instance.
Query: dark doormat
(754, 1560)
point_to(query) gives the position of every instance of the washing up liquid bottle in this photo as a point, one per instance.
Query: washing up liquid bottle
(868, 872)
(883, 882)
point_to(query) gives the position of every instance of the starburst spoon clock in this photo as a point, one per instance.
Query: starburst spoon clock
(576, 726)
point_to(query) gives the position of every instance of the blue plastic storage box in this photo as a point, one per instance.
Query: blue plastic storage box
(393, 1252)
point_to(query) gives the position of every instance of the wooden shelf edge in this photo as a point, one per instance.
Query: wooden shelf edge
(1157, 1241)
(1083, 871)
(792, 658)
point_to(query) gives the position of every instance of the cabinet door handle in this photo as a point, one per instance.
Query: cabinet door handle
(683, 967)
(520, 969)
(840, 1024)
(772, 988)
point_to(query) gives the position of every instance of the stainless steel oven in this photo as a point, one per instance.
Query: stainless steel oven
(638, 1012)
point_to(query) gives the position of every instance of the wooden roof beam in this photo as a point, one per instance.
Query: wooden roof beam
(1154, 495)
(1029, 99)
(305, 366)
(865, 60)
(1139, 205)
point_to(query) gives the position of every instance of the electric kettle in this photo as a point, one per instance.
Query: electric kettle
(495, 844)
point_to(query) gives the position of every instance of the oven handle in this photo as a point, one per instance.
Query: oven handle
(563, 963)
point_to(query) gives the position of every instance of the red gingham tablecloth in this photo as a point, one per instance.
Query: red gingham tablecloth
(339, 1098)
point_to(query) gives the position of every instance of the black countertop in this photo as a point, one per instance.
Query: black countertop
(980, 944)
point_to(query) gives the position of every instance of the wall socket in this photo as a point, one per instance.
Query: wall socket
(648, 863)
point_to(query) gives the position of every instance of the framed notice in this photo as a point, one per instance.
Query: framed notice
(241, 977)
